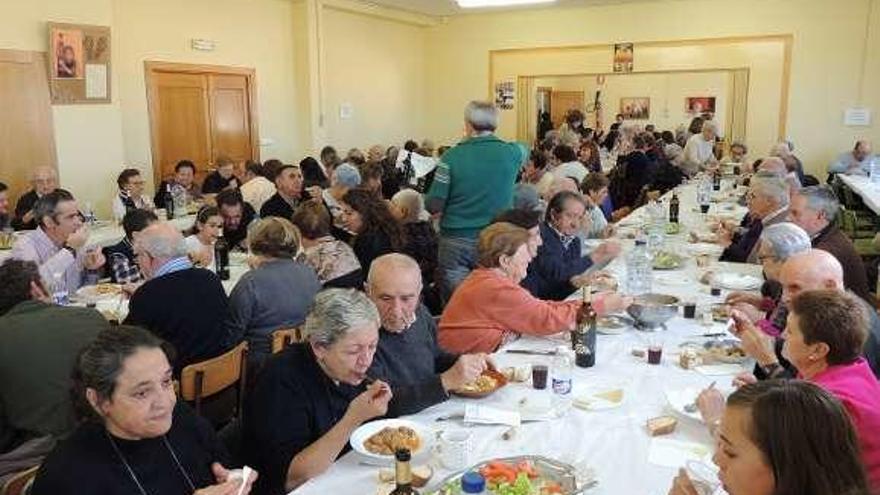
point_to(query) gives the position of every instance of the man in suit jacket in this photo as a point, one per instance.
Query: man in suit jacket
(767, 200)
(814, 209)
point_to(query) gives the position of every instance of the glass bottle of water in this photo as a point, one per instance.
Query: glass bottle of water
(704, 194)
(561, 379)
(638, 269)
(59, 289)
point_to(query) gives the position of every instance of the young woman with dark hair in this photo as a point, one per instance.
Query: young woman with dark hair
(376, 230)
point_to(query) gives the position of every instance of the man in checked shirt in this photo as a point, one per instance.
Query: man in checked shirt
(122, 264)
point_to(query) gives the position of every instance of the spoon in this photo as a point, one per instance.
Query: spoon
(692, 407)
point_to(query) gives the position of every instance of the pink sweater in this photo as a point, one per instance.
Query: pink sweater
(857, 388)
(487, 305)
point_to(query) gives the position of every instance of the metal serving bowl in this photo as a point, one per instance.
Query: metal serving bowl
(652, 310)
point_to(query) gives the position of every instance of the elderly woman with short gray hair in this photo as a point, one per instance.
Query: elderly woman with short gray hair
(309, 400)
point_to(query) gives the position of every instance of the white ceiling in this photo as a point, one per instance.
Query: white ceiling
(449, 7)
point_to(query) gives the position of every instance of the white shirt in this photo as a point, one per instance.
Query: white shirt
(697, 153)
(571, 169)
(119, 210)
(194, 245)
(257, 191)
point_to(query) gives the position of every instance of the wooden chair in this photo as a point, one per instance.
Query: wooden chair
(199, 381)
(20, 483)
(285, 337)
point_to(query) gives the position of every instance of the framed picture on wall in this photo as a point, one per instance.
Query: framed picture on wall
(504, 95)
(79, 63)
(696, 105)
(623, 57)
(635, 108)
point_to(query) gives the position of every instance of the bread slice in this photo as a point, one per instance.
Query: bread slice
(661, 425)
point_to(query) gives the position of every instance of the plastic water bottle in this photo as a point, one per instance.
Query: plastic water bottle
(561, 381)
(638, 269)
(874, 172)
(59, 289)
(704, 194)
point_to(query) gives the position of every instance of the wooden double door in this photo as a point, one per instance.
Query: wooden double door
(200, 113)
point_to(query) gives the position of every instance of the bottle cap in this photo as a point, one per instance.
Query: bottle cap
(473, 482)
(402, 455)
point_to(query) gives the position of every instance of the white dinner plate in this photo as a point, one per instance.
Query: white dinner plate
(589, 397)
(678, 399)
(357, 439)
(705, 248)
(736, 281)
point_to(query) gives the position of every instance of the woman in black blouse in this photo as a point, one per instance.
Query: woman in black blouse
(135, 438)
(309, 399)
(376, 230)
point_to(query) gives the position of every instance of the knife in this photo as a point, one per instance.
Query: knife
(530, 353)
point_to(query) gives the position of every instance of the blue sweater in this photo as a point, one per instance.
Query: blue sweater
(549, 273)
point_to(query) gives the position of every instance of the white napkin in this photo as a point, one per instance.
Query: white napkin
(719, 369)
(486, 415)
(671, 453)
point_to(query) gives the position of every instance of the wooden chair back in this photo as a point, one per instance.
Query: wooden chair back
(285, 337)
(202, 380)
(20, 483)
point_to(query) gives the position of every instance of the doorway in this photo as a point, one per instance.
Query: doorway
(26, 131)
(563, 101)
(200, 113)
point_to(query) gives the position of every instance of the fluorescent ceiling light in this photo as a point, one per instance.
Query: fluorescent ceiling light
(471, 4)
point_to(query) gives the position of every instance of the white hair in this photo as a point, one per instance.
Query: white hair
(412, 202)
(786, 240)
(162, 243)
(394, 261)
(481, 115)
(710, 125)
(770, 186)
(335, 313)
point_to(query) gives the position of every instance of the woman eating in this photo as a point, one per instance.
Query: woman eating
(134, 436)
(310, 398)
(376, 230)
(200, 240)
(333, 260)
(256, 310)
(490, 307)
(824, 337)
(784, 437)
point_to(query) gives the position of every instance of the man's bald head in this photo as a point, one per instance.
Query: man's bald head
(814, 270)
(773, 165)
(45, 180)
(394, 284)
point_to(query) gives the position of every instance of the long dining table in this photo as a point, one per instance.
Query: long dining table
(613, 444)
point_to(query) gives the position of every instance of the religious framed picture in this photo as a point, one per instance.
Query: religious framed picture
(623, 57)
(79, 63)
(635, 108)
(696, 105)
(66, 52)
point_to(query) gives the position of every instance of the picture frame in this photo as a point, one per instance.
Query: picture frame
(635, 108)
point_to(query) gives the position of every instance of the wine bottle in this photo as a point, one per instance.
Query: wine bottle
(169, 203)
(403, 474)
(221, 257)
(584, 336)
(674, 205)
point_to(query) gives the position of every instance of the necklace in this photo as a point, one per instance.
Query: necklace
(134, 476)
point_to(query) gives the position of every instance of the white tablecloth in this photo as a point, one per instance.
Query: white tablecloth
(862, 186)
(614, 442)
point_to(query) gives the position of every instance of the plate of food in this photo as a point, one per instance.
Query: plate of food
(490, 381)
(598, 398)
(667, 261)
(378, 440)
(723, 351)
(526, 475)
(736, 281)
(99, 291)
(683, 402)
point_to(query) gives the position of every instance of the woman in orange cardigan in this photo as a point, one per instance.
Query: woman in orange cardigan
(490, 308)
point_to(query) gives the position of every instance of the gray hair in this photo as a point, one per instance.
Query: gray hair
(481, 115)
(770, 186)
(413, 202)
(335, 313)
(823, 199)
(347, 175)
(786, 240)
(396, 261)
(162, 241)
(711, 125)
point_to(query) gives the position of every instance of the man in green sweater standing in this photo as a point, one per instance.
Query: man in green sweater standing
(474, 182)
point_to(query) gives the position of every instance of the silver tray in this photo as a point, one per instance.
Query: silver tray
(560, 472)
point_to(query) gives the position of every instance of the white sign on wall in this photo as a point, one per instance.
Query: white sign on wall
(346, 111)
(857, 117)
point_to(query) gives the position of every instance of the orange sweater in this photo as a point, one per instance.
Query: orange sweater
(487, 304)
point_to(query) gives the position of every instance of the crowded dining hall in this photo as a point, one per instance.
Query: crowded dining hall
(440, 247)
